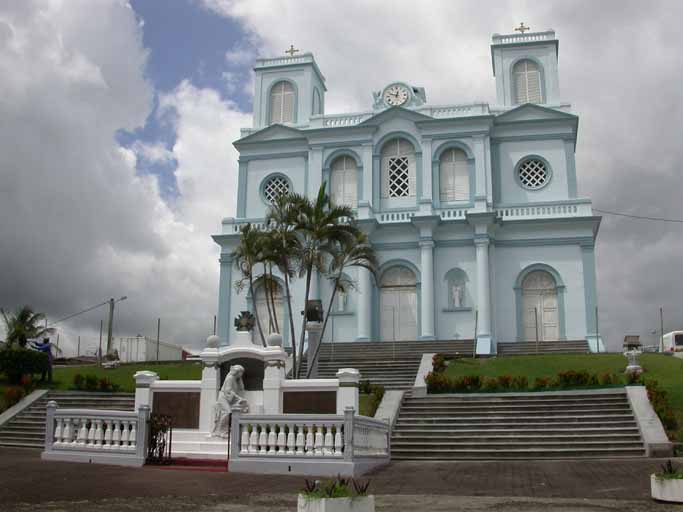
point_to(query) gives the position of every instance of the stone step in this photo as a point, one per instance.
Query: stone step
(22, 444)
(549, 431)
(583, 413)
(446, 445)
(496, 423)
(518, 454)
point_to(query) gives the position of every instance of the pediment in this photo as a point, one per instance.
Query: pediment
(531, 112)
(274, 132)
(394, 113)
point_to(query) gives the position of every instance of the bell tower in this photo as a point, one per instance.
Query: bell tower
(288, 90)
(525, 67)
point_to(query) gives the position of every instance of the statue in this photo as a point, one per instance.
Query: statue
(457, 295)
(633, 366)
(245, 321)
(230, 397)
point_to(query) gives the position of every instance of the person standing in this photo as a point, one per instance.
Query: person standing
(46, 348)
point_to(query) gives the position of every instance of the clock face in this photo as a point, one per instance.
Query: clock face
(396, 95)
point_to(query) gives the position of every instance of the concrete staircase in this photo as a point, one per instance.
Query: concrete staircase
(555, 425)
(390, 364)
(27, 429)
(526, 348)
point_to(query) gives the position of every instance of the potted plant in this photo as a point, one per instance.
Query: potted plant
(667, 485)
(338, 495)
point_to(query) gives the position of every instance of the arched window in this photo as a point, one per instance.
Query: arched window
(317, 103)
(456, 280)
(344, 181)
(454, 176)
(526, 76)
(282, 101)
(398, 169)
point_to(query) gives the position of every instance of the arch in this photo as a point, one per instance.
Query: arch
(451, 144)
(282, 314)
(397, 134)
(342, 152)
(316, 107)
(519, 297)
(398, 302)
(295, 107)
(398, 262)
(462, 300)
(541, 78)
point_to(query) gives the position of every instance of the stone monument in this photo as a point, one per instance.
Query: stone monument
(230, 397)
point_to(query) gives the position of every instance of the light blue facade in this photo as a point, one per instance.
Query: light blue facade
(463, 256)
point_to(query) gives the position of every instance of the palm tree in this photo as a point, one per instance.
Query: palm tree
(270, 257)
(23, 325)
(348, 252)
(246, 256)
(284, 246)
(320, 226)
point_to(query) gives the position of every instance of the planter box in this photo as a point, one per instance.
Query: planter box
(670, 490)
(358, 504)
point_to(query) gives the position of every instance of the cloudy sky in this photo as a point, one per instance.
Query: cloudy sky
(117, 119)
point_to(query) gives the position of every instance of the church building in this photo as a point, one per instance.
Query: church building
(473, 208)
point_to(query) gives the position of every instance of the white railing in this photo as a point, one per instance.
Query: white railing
(456, 110)
(315, 444)
(389, 217)
(453, 213)
(548, 35)
(93, 435)
(545, 211)
(344, 120)
(282, 61)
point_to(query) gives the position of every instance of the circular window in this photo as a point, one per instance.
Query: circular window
(533, 174)
(274, 187)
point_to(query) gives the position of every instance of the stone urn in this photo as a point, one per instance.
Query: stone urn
(274, 339)
(212, 341)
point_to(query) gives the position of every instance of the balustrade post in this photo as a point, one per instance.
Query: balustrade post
(253, 439)
(328, 448)
(142, 435)
(300, 441)
(50, 425)
(319, 441)
(282, 440)
(348, 433)
(291, 440)
(67, 433)
(263, 439)
(338, 442)
(310, 440)
(236, 437)
(272, 439)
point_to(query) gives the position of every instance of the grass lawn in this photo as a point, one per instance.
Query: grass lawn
(667, 370)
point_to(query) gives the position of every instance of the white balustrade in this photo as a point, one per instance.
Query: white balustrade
(579, 209)
(89, 431)
(548, 35)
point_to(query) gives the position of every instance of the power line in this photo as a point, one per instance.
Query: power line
(641, 217)
(86, 310)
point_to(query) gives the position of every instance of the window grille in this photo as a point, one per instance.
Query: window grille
(533, 174)
(275, 187)
(282, 98)
(454, 176)
(398, 169)
(527, 80)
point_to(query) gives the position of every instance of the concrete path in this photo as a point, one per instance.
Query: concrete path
(541, 486)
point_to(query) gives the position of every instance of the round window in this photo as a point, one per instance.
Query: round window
(275, 187)
(533, 174)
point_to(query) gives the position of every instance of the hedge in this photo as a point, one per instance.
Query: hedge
(17, 362)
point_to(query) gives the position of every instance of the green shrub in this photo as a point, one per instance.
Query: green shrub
(489, 384)
(520, 383)
(13, 395)
(17, 362)
(78, 382)
(91, 383)
(438, 383)
(542, 383)
(660, 403)
(439, 363)
(504, 381)
(376, 395)
(572, 379)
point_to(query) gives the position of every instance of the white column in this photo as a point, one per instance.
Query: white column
(347, 392)
(483, 296)
(364, 305)
(211, 375)
(143, 388)
(427, 289)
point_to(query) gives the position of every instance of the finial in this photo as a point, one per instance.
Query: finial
(522, 28)
(291, 50)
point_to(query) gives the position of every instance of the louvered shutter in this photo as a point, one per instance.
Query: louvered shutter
(287, 103)
(533, 87)
(276, 104)
(461, 177)
(337, 186)
(520, 88)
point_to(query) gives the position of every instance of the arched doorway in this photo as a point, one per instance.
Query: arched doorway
(398, 305)
(540, 307)
(264, 308)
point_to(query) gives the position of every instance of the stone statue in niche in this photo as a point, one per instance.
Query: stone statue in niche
(230, 397)
(458, 295)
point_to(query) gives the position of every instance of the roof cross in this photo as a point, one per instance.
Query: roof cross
(291, 50)
(522, 28)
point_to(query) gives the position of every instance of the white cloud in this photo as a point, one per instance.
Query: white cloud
(153, 152)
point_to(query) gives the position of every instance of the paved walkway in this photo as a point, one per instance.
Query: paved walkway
(541, 486)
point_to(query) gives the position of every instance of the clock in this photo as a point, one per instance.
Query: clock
(396, 95)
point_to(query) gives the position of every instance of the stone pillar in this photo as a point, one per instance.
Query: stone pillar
(364, 305)
(427, 289)
(314, 330)
(483, 296)
(211, 376)
(347, 393)
(143, 388)
(272, 384)
(224, 295)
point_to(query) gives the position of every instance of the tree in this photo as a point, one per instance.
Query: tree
(348, 252)
(284, 248)
(320, 226)
(23, 325)
(246, 257)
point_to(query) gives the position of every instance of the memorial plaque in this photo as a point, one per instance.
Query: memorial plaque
(181, 406)
(310, 402)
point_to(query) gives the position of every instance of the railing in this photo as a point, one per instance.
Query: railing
(453, 213)
(545, 211)
(281, 61)
(548, 35)
(93, 435)
(344, 120)
(386, 218)
(455, 110)
(278, 443)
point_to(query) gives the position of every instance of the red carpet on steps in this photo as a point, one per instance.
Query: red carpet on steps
(184, 464)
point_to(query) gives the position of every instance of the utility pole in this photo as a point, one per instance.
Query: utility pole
(109, 327)
(158, 331)
(214, 325)
(78, 350)
(661, 330)
(597, 331)
(99, 352)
